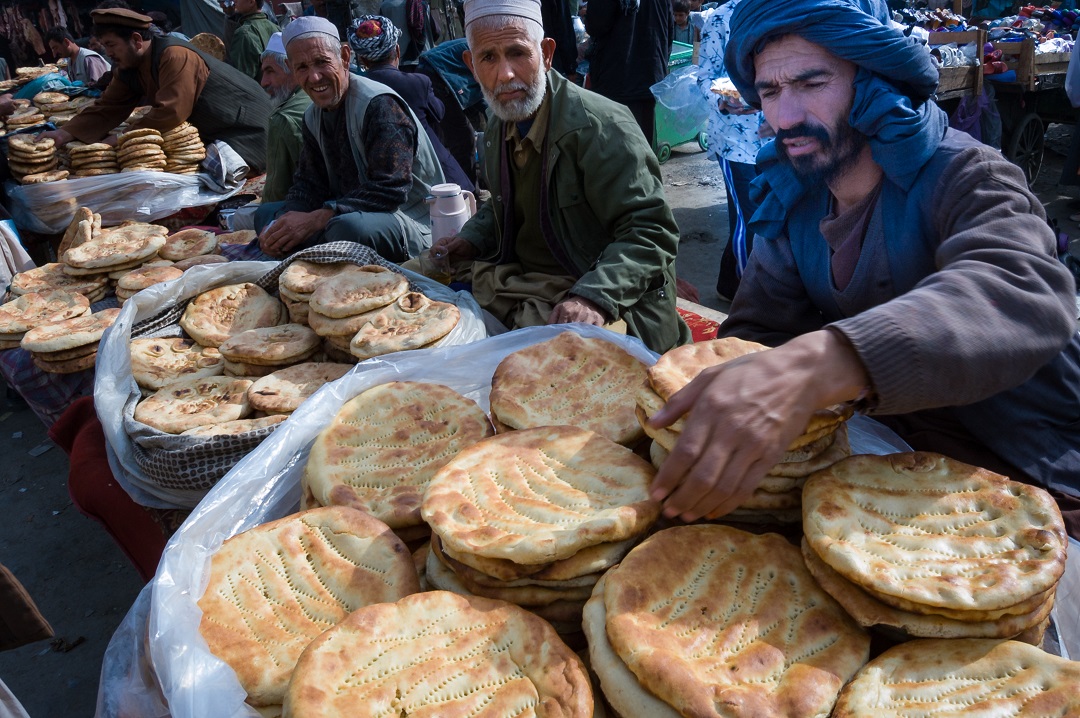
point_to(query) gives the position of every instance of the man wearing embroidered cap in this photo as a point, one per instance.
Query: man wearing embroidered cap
(898, 263)
(284, 136)
(182, 84)
(577, 229)
(365, 169)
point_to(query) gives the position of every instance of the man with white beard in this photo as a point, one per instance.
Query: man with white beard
(577, 229)
(284, 136)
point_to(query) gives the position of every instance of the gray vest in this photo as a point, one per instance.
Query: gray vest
(426, 170)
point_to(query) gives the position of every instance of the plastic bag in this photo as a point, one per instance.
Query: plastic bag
(136, 450)
(47, 208)
(681, 97)
(266, 486)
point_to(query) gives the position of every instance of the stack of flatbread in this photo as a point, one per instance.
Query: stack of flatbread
(23, 117)
(711, 621)
(158, 362)
(215, 315)
(187, 404)
(571, 380)
(535, 517)
(61, 111)
(184, 150)
(921, 545)
(284, 390)
(118, 249)
(28, 311)
(134, 281)
(276, 587)
(68, 346)
(438, 654)
(969, 677)
(384, 447)
(33, 162)
(92, 160)
(52, 276)
(778, 498)
(189, 243)
(298, 281)
(264, 350)
(140, 151)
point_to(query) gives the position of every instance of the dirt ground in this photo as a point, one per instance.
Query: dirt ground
(84, 584)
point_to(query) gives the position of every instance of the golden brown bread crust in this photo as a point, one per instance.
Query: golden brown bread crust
(285, 389)
(356, 290)
(275, 587)
(301, 276)
(677, 367)
(157, 362)
(118, 246)
(719, 622)
(437, 654)
(963, 677)
(412, 321)
(572, 380)
(27, 311)
(535, 496)
(52, 276)
(270, 346)
(215, 315)
(930, 530)
(581, 569)
(187, 403)
(188, 243)
(69, 333)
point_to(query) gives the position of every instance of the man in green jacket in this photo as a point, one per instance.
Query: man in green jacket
(248, 41)
(577, 229)
(284, 136)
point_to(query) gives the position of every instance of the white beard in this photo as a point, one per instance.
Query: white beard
(517, 110)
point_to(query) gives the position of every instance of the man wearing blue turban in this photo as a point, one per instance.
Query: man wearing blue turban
(897, 263)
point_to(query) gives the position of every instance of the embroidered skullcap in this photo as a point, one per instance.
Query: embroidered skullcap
(309, 23)
(528, 9)
(275, 45)
(122, 17)
(373, 37)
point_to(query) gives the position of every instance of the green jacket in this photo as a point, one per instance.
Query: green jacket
(284, 138)
(607, 209)
(248, 41)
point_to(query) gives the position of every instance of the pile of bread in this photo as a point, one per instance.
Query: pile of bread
(58, 108)
(184, 149)
(90, 160)
(56, 327)
(33, 161)
(26, 115)
(540, 533)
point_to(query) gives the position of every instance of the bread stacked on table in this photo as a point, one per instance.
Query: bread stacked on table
(131, 282)
(529, 388)
(34, 309)
(262, 351)
(778, 498)
(33, 161)
(188, 244)
(23, 117)
(535, 516)
(58, 108)
(384, 447)
(92, 160)
(112, 250)
(217, 314)
(70, 345)
(920, 545)
(184, 149)
(52, 276)
(140, 151)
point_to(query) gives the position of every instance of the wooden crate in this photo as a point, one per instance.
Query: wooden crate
(960, 81)
(1032, 70)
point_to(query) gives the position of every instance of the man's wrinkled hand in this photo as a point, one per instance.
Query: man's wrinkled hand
(292, 229)
(577, 309)
(452, 249)
(60, 137)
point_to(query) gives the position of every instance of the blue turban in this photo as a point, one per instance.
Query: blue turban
(893, 85)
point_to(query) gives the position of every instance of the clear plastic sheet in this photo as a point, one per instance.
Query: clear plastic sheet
(680, 95)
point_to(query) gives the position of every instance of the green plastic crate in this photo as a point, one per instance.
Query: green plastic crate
(681, 54)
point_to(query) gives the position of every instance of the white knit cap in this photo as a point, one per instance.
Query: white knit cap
(306, 24)
(275, 44)
(528, 9)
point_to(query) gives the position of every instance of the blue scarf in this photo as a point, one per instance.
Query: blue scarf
(903, 126)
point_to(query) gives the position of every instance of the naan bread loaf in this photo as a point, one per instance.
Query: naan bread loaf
(30, 310)
(963, 678)
(52, 276)
(572, 380)
(271, 346)
(540, 495)
(276, 587)
(188, 243)
(70, 333)
(139, 279)
(186, 264)
(412, 321)
(301, 276)
(933, 531)
(382, 449)
(187, 403)
(677, 367)
(497, 571)
(118, 246)
(214, 316)
(356, 291)
(157, 362)
(283, 391)
(719, 622)
(440, 655)
(233, 428)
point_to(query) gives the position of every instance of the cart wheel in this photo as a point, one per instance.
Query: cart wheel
(703, 141)
(1025, 146)
(663, 153)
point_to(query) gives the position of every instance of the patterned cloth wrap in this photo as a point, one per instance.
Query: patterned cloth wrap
(373, 37)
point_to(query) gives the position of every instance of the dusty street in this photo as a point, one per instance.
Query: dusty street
(83, 583)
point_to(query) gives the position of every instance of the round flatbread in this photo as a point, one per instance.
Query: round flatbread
(117, 247)
(301, 276)
(34, 309)
(441, 575)
(70, 333)
(134, 134)
(43, 177)
(66, 354)
(286, 389)
(186, 264)
(274, 588)
(86, 149)
(270, 346)
(52, 276)
(357, 290)
(540, 495)
(94, 173)
(720, 622)
(580, 570)
(251, 371)
(139, 279)
(240, 236)
(572, 380)
(188, 243)
(383, 448)
(215, 315)
(30, 144)
(677, 367)
(235, 428)
(933, 531)
(30, 168)
(440, 654)
(45, 98)
(67, 366)
(838, 448)
(412, 321)
(186, 403)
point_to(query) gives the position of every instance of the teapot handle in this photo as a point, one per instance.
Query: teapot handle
(470, 200)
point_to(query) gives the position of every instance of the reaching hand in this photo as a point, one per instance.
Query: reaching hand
(60, 137)
(577, 309)
(452, 249)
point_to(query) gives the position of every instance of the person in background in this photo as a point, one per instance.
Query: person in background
(366, 168)
(248, 39)
(374, 41)
(559, 26)
(631, 46)
(684, 31)
(162, 22)
(84, 65)
(284, 134)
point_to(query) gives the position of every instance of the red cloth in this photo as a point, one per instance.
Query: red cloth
(701, 329)
(137, 530)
